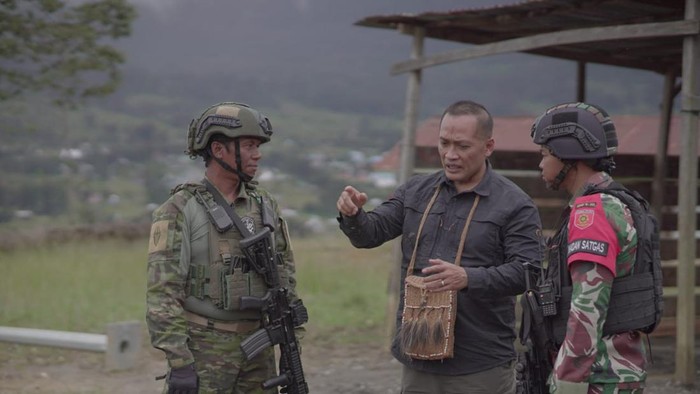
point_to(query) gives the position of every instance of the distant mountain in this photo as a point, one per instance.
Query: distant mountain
(309, 51)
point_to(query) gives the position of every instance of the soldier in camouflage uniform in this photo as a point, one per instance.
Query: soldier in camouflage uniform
(595, 243)
(197, 272)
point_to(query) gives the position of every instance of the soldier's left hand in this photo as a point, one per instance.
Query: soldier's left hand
(441, 275)
(183, 380)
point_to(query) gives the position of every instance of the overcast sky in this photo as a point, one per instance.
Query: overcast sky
(316, 41)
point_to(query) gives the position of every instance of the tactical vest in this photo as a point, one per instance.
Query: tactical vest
(636, 300)
(219, 274)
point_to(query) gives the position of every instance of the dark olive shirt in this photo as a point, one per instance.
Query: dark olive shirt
(503, 234)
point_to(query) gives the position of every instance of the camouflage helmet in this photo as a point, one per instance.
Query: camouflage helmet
(231, 119)
(576, 131)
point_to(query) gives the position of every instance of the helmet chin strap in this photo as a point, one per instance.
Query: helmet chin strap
(560, 177)
(245, 178)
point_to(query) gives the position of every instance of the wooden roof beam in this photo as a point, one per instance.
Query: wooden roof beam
(678, 28)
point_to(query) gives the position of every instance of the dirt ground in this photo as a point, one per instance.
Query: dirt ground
(328, 368)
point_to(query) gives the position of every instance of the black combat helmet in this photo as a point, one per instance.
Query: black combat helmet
(576, 131)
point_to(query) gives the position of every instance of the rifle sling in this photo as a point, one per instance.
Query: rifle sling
(526, 324)
(228, 208)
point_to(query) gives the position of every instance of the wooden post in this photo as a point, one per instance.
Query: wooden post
(408, 152)
(659, 182)
(408, 142)
(687, 200)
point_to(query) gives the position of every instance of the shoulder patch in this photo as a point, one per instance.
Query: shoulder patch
(158, 239)
(583, 218)
(249, 223)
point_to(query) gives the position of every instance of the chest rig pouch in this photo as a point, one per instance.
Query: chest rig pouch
(216, 284)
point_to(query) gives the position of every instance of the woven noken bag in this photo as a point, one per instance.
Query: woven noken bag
(428, 320)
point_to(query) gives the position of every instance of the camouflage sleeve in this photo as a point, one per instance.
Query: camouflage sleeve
(592, 285)
(285, 247)
(167, 277)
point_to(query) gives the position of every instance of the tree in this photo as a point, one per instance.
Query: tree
(48, 45)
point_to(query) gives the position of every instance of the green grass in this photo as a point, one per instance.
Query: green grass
(83, 286)
(345, 289)
(73, 287)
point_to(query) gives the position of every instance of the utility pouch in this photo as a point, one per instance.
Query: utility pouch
(239, 282)
(427, 326)
(221, 221)
(234, 287)
(217, 215)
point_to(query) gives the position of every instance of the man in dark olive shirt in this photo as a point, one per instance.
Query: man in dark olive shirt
(503, 234)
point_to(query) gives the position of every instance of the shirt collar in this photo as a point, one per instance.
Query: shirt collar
(242, 192)
(483, 188)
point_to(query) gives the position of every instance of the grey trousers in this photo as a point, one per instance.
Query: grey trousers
(499, 380)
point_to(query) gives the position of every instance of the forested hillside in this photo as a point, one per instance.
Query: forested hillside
(323, 82)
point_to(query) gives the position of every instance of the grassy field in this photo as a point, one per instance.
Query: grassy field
(84, 286)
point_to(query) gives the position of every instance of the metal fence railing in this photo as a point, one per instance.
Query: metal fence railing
(121, 344)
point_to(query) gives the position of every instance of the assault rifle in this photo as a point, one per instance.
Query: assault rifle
(529, 379)
(534, 364)
(280, 317)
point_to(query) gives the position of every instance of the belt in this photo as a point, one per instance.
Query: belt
(238, 326)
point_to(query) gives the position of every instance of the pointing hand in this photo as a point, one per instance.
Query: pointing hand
(351, 201)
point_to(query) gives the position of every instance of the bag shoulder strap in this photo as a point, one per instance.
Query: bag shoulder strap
(462, 238)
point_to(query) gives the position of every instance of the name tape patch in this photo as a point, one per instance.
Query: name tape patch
(588, 246)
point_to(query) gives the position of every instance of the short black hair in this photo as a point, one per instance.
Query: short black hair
(468, 107)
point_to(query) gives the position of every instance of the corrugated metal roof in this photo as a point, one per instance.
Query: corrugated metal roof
(494, 24)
